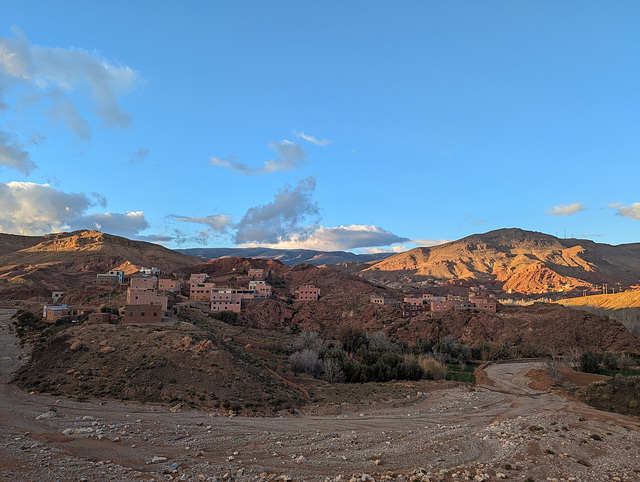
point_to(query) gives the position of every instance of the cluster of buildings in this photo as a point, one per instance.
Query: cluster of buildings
(411, 307)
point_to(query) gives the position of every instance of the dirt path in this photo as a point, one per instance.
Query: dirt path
(444, 432)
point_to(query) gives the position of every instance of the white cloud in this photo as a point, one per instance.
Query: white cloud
(271, 222)
(335, 238)
(427, 243)
(632, 212)
(613, 206)
(566, 210)
(313, 140)
(290, 156)
(51, 79)
(34, 209)
(391, 249)
(216, 222)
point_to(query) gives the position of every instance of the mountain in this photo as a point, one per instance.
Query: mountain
(519, 261)
(290, 257)
(38, 264)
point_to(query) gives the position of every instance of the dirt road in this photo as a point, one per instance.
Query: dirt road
(508, 431)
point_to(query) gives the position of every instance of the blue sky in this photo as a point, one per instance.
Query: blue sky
(360, 126)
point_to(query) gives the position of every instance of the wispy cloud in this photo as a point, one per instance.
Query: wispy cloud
(587, 236)
(427, 243)
(51, 79)
(34, 209)
(289, 156)
(216, 222)
(632, 212)
(566, 210)
(14, 155)
(470, 219)
(613, 206)
(138, 156)
(313, 140)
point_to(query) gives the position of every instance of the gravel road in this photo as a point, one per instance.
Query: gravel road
(505, 430)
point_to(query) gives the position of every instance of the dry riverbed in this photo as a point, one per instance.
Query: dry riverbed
(501, 430)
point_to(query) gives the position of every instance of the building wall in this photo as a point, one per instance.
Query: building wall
(119, 274)
(198, 278)
(99, 318)
(307, 293)
(439, 306)
(200, 291)
(172, 285)
(414, 301)
(144, 282)
(142, 314)
(146, 297)
(256, 274)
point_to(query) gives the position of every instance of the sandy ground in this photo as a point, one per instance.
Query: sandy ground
(503, 429)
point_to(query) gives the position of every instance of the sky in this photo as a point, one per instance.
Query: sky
(365, 126)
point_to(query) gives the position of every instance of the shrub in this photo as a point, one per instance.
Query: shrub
(351, 337)
(432, 368)
(589, 362)
(333, 372)
(308, 340)
(610, 360)
(306, 361)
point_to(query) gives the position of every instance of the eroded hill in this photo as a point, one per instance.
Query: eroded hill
(519, 261)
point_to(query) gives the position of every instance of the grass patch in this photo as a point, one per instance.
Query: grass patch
(458, 373)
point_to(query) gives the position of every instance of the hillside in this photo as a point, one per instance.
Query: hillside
(614, 301)
(290, 257)
(519, 261)
(31, 266)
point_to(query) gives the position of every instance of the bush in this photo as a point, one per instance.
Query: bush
(589, 362)
(306, 361)
(610, 360)
(351, 337)
(433, 369)
(309, 340)
(448, 350)
(333, 372)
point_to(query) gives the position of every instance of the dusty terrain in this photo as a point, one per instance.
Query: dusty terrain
(499, 429)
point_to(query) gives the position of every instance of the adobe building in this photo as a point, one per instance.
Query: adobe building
(147, 314)
(146, 297)
(414, 301)
(144, 282)
(262, 289)
(200, 291)
(99, 318)
(383, 300)
(223, 300)
(440, 306)
(307, 293)
(257, 274)
(410, 310)
(198, 278)
(170, 285)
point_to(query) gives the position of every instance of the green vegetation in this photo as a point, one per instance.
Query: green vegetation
(462, 373)
(619, 394)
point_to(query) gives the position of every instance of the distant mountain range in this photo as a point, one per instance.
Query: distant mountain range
(512, 260)
(290, 257)
(517, 261)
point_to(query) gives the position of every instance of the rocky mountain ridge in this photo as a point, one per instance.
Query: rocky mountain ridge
(519, 261)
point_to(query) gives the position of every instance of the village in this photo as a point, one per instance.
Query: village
(148, 290)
